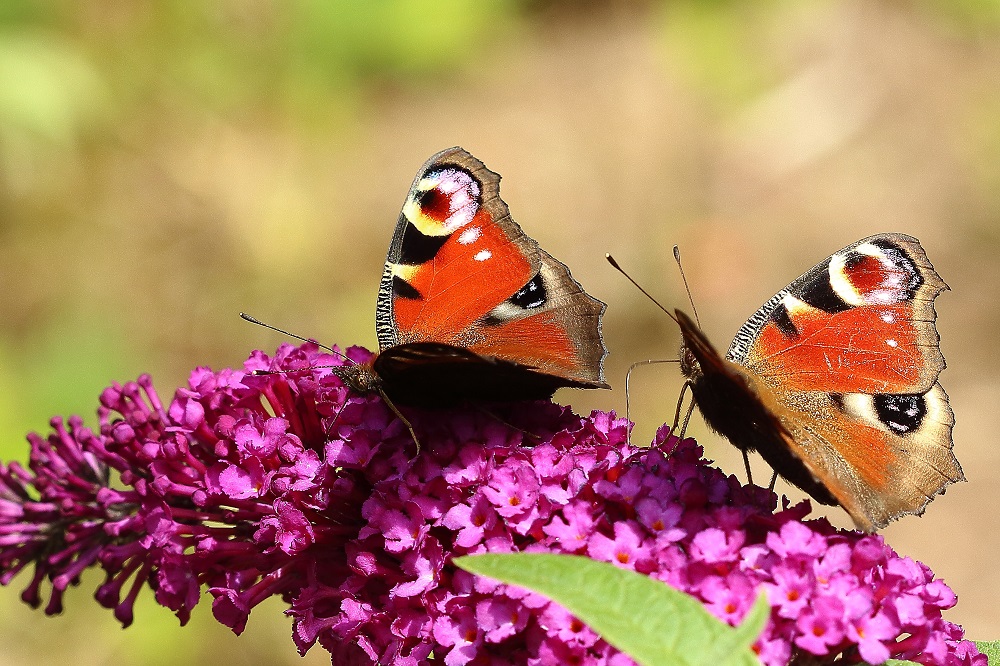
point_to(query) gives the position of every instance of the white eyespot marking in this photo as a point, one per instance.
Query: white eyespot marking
(861, 407)
(888, 317)
(938, 411)
(506, 311)
(483, 255)
(864, 408)
(470, 235)
(841, 282)
(858, 405)
(892, 343)
(794, 305)
(871, 250)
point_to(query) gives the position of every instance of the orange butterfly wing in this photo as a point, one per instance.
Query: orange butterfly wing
(462, 280)
(861, 321)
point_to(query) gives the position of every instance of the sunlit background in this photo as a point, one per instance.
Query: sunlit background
(165, 165)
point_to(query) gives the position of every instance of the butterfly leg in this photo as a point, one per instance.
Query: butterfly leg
(746, 465)
(406, 422)
(680, 403)
(677, 412)
(774, 477)
(677, 415)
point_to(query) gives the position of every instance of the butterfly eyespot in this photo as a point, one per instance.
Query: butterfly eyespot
(435, 204)
(900, 413)
(531, 295)
(445, 201)
(875, 273)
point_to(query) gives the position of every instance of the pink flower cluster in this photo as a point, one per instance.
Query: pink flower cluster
(287, 484)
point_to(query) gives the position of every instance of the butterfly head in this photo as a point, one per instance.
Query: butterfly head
(689, 365)
(696, 351)
(360, 377)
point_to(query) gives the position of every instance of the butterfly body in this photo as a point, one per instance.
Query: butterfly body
(834, 382)
(430, 374)
(469, 307)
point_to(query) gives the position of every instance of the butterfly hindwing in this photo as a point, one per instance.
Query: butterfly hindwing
(881, 456)
(461, 273)
(429, 374)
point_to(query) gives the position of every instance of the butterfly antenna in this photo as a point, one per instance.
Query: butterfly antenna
(614, 264)
(687, 288)
(628, 374)
(254, 320)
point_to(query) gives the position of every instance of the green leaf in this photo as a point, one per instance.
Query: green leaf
(742, 637)
(650, 621)
(991, 649)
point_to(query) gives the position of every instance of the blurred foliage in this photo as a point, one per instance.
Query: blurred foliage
(85, 86)
(165, 164)
(967, 16)
(711, 45)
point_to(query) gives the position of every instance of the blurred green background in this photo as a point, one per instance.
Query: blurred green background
(165, 165)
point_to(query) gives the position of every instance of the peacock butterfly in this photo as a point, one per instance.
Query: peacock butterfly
(469, 307)
(834, 380)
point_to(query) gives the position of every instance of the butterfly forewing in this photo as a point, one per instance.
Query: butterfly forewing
(860, 321)
(460, 272)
